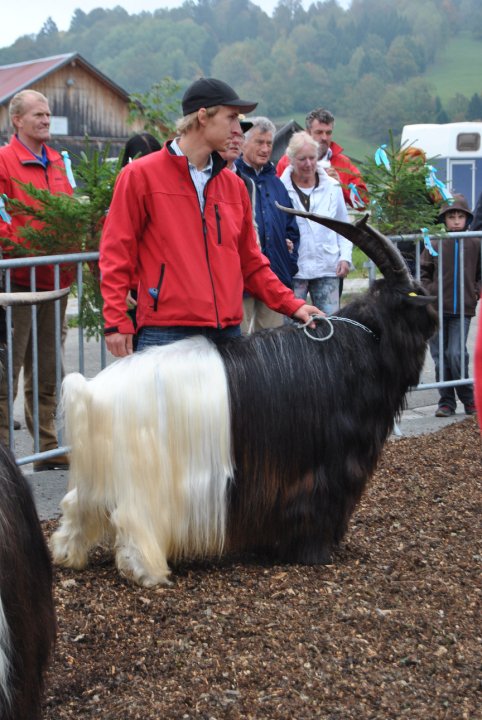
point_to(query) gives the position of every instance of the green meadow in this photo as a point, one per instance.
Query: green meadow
(458, 70)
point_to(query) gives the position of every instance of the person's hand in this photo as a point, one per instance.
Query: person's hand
(130, 301)
(290, 245)
(342, 269)
(332, 173)
(305, 312)
(119, 345)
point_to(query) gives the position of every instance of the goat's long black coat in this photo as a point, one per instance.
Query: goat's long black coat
(26, 594)
(309, 419)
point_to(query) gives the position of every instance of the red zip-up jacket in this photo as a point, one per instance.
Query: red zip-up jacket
(18, 163)
(192, 266)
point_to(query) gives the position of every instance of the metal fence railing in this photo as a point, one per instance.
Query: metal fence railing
(75, 352)
(80, 263)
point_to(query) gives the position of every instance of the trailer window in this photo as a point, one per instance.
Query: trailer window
(467, 142)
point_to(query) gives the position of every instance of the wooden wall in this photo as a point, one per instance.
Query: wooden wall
(92, 107)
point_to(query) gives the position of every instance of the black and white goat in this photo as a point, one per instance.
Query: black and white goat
(27, 615)
(262, 442)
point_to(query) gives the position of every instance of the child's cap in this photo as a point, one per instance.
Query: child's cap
(457, 203)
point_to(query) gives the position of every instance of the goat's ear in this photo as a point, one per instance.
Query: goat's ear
(413, 298)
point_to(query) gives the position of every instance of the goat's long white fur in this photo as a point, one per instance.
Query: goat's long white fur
(150, 460)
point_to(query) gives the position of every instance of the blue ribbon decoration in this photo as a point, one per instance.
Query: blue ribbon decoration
(355, 198)
(3, 211)
(433, 181)
(381, 157)
(68, 169)
(427, 243)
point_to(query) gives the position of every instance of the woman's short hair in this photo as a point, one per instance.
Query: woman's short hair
(297, 141)
(190, 122)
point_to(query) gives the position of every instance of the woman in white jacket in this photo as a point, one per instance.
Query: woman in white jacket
(324, 257)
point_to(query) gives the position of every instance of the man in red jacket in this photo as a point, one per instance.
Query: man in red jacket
(29, 160)
(185, 225)
(319, 124)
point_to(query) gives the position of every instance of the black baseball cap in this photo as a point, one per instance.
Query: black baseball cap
(207, 92)
(245, 124)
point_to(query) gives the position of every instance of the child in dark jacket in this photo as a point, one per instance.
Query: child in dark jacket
(458, 307)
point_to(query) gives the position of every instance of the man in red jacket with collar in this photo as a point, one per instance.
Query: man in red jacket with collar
(29, 160)
(319, 124)
(184, 223)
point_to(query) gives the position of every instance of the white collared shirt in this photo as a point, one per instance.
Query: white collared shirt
(199, 177)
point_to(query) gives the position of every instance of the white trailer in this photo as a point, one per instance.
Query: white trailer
(455, 149)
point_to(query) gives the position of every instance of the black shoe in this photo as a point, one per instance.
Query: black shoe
(444, 411)
(16, 425)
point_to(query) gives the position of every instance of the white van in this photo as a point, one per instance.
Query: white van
(455, 149)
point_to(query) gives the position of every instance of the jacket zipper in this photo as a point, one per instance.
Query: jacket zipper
(218, 223)
(456, 274)
(155, 292)
(206, 247)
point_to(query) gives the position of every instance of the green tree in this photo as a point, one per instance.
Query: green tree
(457, 107)
(399, 199)
(157, 108)
(400, 60)
(474, 109)
(440, 116)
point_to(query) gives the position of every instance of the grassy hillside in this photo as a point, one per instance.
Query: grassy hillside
(458, 68)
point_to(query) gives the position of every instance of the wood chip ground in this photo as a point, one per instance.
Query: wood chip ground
(392, 629)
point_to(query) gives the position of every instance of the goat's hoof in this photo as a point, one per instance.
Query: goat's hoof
(64, 554)
(131, 567)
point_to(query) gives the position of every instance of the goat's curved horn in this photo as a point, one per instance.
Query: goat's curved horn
(32, 298)
(376, 246)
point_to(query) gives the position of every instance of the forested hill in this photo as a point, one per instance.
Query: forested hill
(371, 63)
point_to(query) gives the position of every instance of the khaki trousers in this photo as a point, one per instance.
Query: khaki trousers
(22, 357)
(258, 316)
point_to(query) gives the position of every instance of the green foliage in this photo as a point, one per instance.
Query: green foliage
(58, 225)
(400, 202)
(474, 110)
(90, 305)
(156, 108)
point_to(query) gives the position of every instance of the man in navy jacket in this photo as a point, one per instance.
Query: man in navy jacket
(278, 232)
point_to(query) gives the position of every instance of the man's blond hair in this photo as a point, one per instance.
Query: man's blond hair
(191, 122)
(18, 102)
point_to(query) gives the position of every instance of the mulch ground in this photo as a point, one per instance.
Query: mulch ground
(390, 630)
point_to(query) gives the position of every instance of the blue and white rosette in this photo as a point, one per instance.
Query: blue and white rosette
(432, 181)
(3, 210)
(381, 157)
(355, 198)
(427, 242)
(68, 169)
